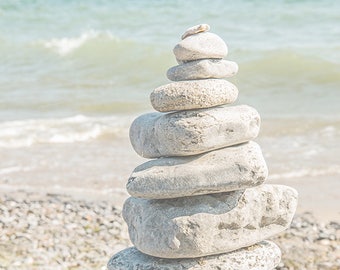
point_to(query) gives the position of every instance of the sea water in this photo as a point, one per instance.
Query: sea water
(74, 74)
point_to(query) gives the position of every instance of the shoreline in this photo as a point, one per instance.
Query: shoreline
(317, 195)
(100, 170)
(79, 222)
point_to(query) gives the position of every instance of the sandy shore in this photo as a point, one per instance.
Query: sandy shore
(317, 195)
(63, 224)
(79, 225)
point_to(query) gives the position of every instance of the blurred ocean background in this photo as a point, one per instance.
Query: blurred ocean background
(74, 74)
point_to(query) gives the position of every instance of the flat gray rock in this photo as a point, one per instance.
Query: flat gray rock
(202, 69)
(227, 169)
(193, 132)
(196, 94)
(205, 225)
(200, 46)
(261, 256)
(188, 95)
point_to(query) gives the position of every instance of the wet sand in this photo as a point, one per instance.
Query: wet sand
(318, 195)
(105, 174)
(94, 200)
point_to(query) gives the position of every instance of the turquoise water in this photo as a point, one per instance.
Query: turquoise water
(79, 71)
(62, 58)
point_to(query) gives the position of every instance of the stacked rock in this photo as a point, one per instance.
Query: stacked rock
(201, 202)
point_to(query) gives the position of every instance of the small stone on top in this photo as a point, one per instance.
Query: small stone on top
(203, 45)
(196, 29)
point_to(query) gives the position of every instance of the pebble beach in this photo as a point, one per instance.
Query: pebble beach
(60, 232)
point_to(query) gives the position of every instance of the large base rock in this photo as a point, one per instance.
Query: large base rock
(193, 132)
(262, 256)
(227, 169)
(209, 224)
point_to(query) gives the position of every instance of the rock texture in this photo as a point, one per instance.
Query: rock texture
(201, 204)
(262, 256)
(204, 225)
(193, 132)
(200, 46)
(202, 69)
(187, 95)
(227, 169)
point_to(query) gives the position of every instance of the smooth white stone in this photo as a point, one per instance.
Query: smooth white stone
(196, 29)
(193, 132)
(188, 95)
(262, 256)
(211, 224)
(227, 169)
(202, 69)
(200, 46)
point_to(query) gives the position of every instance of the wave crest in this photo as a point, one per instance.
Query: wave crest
(67, 45)
(15, 134)
(307, 172)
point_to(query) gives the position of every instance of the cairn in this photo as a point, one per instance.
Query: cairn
(200, 203)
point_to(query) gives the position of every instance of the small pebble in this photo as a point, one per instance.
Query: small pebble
(196, 29)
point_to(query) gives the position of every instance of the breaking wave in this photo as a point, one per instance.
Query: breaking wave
(67, 45)
(25, 133)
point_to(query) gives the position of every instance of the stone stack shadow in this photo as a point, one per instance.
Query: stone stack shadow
(200, 203)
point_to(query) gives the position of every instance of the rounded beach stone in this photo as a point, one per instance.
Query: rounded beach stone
(196, 29)
(227, 169)
(264, 255)
(187, 95)
(193, 132)
(203, 225)
(202, 69)
(200, 46)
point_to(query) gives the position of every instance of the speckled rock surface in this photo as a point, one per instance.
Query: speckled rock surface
(204, 225)
(262, 256)
(200, 46)
(187, 95)
(227, 169)
(202, 69)
(193, 132)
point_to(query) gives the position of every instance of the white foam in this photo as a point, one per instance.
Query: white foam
(329, 131)
(15, 134)
(66, 45)
(14, 169)
(335, 169)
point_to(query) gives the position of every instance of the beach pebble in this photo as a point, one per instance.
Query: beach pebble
(200, 46)
(197, 94)
(202, 69)
(71, 241)
(227, 169)
(193, 132)
(261, 256)
(203, 225)
(196, 29)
